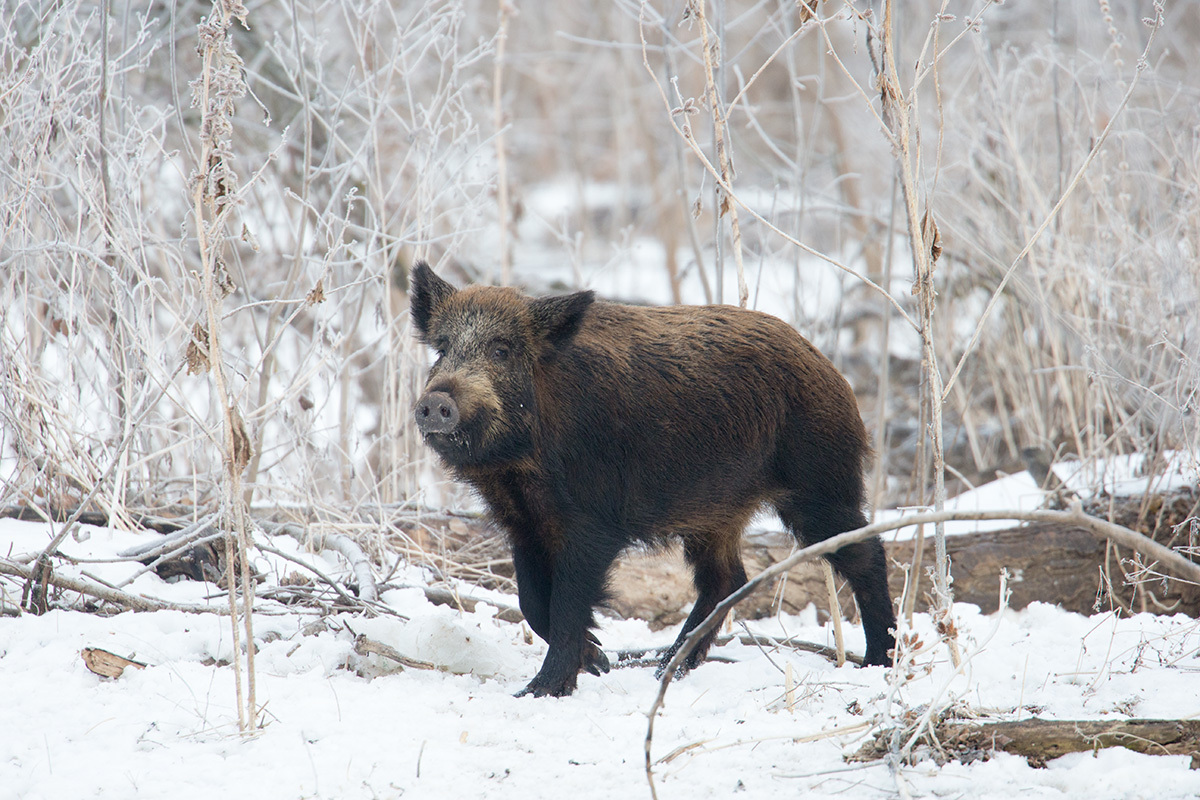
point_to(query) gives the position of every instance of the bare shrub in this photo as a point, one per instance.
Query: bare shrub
(358, 150)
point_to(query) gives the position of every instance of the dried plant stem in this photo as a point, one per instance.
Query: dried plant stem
(725, 205)
(899, 112)
(687, 137)
(212, 200)
(502, 199)
(879, 472)
(689, 219)
(117, 459)
(1052, 215)
(921, 479)
(266, 369)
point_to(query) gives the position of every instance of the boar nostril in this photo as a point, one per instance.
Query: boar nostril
(437, 413)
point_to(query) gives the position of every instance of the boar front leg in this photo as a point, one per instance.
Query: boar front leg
(577, 578)
(533, 586)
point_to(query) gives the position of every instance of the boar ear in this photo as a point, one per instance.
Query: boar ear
(428, 292)
(557, 319)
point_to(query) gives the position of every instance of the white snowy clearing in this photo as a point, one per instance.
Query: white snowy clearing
(340, 725)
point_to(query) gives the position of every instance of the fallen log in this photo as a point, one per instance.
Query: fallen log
(1060, 562)
(1040, 740)
(1048, 562)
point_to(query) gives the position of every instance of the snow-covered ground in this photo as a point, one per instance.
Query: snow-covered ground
(339, 725)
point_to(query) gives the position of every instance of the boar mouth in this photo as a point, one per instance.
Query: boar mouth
(449, 445)
(464, 443)
(480, 440)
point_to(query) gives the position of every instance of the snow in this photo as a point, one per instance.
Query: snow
(1018, 492)
(1128, 475)
(340, 725)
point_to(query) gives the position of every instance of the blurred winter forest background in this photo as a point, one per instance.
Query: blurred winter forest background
(555, 146)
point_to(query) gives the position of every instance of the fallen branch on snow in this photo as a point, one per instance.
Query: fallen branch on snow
(364, 647)
(441, 596)
(339, 543)
(134, 602)
(651, 657)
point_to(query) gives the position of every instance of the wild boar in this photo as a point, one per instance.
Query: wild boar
(587, 426)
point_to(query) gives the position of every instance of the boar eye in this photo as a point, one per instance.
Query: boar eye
(500, 352)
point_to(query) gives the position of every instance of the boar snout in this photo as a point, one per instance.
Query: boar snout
(437, 413)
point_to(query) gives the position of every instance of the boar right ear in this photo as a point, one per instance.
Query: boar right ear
(557, 319)
(428, 292)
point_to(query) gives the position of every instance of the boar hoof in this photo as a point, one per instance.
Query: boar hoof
(594, 660)
(876, 657)
(694, 659)
(548, 688)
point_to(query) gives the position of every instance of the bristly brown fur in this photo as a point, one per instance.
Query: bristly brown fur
(587, 426)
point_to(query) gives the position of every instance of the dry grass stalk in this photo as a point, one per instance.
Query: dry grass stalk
(835, 612)
(685, 133)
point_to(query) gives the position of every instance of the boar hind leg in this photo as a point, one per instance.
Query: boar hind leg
(577, 580)
(717, 572)
(863, 565)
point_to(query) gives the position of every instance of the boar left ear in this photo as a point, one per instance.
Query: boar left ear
(428, 292)
(557, 319)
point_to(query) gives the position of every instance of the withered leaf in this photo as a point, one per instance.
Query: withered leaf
(317, 295)
(931, 235)
(243, 450)
(197, 350)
